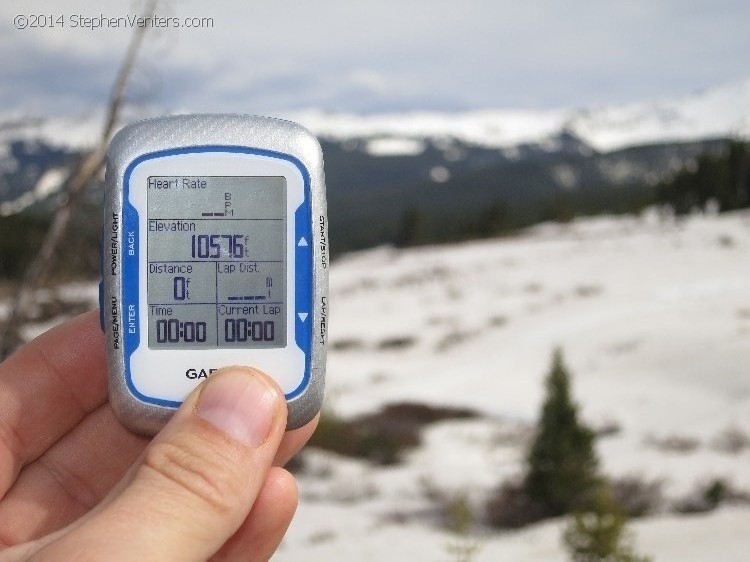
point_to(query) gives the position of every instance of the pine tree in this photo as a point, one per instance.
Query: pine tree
(723, 178)
(562, 473)
(600, 535)
(494, 220)
(411, 229)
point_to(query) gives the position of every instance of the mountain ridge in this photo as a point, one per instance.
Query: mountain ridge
(443, 178)
(719, 112)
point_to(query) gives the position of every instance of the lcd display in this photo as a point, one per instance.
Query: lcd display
(217, 262)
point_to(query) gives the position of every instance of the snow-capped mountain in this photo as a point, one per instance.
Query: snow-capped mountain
(719, 112)
(451, 167)
(714, 113)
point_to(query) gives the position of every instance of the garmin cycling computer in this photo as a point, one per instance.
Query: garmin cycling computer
(214, 253)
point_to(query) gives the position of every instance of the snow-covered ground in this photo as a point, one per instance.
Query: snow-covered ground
(654, 319)
(653, 316)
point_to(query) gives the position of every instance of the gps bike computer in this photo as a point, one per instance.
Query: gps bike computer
(214, 253)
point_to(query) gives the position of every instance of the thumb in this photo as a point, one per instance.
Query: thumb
(196, 482)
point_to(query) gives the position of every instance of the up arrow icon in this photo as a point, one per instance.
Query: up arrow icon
(302, 242)
(302, 316)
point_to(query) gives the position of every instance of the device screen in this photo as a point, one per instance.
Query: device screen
(216, 262)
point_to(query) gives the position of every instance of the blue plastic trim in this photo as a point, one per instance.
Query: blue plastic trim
(302, 256)
(101, 305)
(101, 278)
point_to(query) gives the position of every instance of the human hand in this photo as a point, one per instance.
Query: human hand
(76, 485)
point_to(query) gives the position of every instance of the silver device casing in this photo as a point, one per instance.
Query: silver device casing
(179, 131)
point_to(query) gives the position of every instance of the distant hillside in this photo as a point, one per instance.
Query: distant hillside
(451, 187)
(428, 177)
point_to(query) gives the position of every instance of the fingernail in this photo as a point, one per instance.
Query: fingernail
(241, 403)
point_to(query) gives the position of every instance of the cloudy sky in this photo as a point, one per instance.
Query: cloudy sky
(271, 57)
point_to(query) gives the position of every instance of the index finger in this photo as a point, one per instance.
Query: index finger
(47, 388)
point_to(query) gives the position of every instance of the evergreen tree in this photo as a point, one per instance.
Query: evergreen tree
(494, 220)
(411, 229)
(562, 473)
(723, 178)
(561, 208)
(599, 535)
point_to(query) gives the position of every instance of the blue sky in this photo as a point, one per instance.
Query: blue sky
(271, 57)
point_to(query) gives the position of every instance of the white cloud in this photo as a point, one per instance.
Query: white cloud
(388, 55)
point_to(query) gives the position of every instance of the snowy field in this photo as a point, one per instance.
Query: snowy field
(653, 317)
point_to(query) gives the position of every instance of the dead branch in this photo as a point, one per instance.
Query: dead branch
(83, 174)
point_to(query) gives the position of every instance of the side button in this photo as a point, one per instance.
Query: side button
(101, 304)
